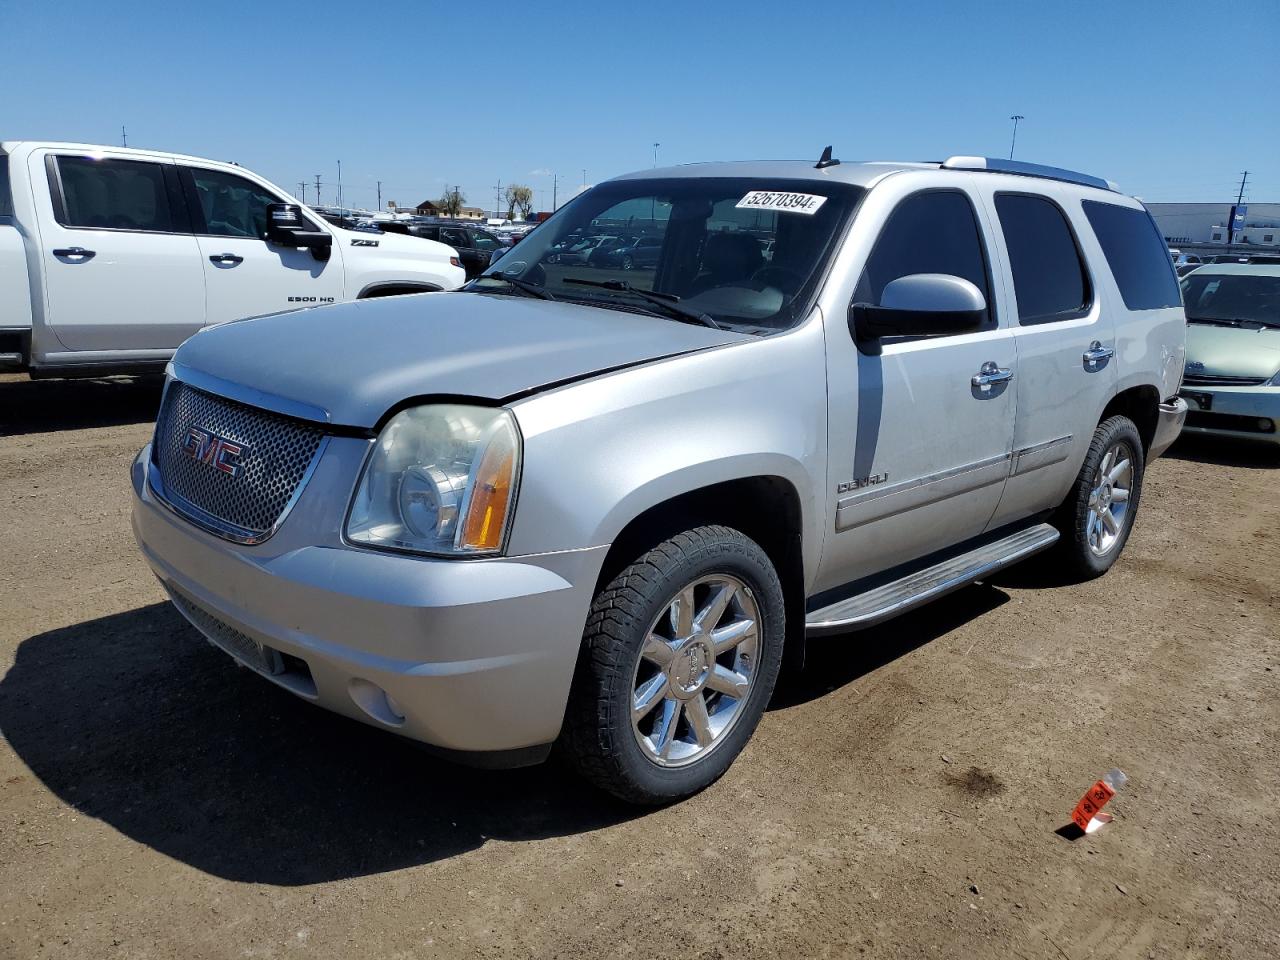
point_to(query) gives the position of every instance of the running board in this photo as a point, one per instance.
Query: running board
(891, 599)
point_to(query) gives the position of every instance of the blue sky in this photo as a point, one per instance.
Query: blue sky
(1154, 95)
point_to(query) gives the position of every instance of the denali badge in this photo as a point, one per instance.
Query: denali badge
(858, 483)
(220, 453)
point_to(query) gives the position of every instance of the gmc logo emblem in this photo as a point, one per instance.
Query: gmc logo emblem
(218, 452)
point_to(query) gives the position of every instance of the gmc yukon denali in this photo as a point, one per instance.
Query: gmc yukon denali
(598, 510)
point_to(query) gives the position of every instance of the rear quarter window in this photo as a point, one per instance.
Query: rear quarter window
(1136, 254)
(6, 194)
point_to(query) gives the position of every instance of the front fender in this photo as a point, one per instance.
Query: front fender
(599, 453)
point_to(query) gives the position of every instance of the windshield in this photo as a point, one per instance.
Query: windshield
(747, 252)
(1234, 296)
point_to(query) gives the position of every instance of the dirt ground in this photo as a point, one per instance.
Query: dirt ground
(899, 800)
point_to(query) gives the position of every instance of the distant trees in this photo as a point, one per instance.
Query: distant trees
(451, 202)
(520, 198)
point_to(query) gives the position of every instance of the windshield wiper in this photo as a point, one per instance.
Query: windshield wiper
(518, 283)
(1234, 322)
(668, 302)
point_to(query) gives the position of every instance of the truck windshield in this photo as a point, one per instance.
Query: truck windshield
(748, 252)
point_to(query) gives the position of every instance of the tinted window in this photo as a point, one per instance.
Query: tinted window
(114, 194)
(232, 206)
(454, 238)
(6, 197)
(1048, 278)
(1137, 255)
(1232, 296)
(486, 241)
(934, 232)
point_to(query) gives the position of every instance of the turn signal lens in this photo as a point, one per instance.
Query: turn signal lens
(455, 261)
(485, 519)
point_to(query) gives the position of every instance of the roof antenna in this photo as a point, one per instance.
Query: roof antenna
(825, 160)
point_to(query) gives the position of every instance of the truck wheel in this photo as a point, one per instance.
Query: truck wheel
(1097, 516)
(679, 658)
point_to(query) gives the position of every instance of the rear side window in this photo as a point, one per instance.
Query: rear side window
(1136, 253)
(6, 195)
(115, 194)
(1048, 276)
(931, 232)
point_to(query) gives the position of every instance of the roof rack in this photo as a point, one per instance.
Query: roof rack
(997, 165)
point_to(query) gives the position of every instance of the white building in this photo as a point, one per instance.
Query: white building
(1184, 223)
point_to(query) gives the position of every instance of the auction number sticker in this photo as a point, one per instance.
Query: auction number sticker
(806, 203)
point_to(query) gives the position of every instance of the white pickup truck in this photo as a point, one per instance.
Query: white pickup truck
(111, 257)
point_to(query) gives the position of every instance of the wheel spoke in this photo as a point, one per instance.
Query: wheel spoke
(710, 615)
(695, 711)
(730, 682)
(1093, 500)
(1119, 494)
(682, 614)
(664, 733)
(648, 696)
(732, 634)
(1108, 458)
(1119, 470)
(657, 650)
(1109, 521)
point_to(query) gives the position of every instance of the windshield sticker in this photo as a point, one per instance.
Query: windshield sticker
(806, 203)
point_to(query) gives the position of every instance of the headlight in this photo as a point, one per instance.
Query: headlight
(441, 480)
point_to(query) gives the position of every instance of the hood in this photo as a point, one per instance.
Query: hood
(1232, 351)
(356, 360)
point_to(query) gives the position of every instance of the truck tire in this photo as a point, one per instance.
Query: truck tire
(678, 661)
(1098, 514)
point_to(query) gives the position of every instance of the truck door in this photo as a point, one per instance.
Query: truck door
(244, 275)
(122, 269)
(920, 428)
(1065, 337)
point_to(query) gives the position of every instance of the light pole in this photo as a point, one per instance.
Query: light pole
(1015, 118)
(655, 153)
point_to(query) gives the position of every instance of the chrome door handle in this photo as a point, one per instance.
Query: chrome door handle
(1097, 352)
(990, 374)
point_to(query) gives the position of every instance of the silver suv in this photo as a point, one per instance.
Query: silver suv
(600, 510)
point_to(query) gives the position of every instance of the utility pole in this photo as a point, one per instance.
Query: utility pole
(379, 195)
(1231, 222)
(555, 180)
(317, 189)
(655, 153)
(497, 200)
(1015, 118)
(584, 178)
(124, 137)
(339, 183)
(302, 190)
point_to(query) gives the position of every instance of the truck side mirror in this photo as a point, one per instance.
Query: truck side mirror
(920, 305)
(287, 228)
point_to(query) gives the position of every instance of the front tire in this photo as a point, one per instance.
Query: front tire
(1098, 515)
(679, 659)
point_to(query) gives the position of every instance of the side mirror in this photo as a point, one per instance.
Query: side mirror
(287, 228)
(920, 305)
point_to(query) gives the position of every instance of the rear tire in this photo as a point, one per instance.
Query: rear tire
(1096, 518)
(679, 659)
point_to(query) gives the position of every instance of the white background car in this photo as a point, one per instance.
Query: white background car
(111, 257)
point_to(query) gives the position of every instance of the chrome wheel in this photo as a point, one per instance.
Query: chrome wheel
(696, 668)
(1109, 499)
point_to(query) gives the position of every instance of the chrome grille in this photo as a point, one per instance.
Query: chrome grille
(1208, 380)
(246, 501)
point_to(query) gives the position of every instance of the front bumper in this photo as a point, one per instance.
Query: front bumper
(473, 657)
(1245, 413)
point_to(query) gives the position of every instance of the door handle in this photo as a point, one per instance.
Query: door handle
(226, 258)
(79, 252)
(1097, 353)
(990, 374)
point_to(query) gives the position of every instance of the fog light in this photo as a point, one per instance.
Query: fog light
(375, 701)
